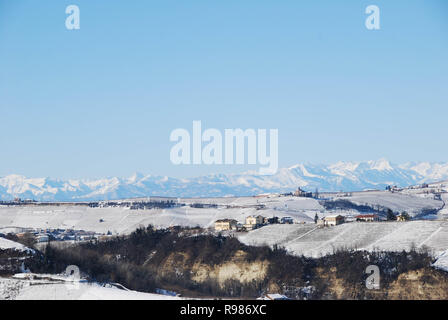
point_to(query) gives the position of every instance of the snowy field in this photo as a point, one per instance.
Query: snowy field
(442, 261)
(398, 202)
(123, 221)
(299, 238)
(53, 288)
(6, 244)
(310, 241)
(120, 220)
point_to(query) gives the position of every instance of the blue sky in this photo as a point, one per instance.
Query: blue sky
(103, 100)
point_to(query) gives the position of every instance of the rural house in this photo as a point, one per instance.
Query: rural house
(225, 225)
(333, 220)
(253, 222)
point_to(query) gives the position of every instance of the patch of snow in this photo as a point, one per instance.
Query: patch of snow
(442, 261)
(8, 244)
(310, 241)
(52, 287)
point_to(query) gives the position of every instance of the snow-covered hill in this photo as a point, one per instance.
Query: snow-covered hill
(27, 286)
(6, 244)
(310, 241)
(346, 176)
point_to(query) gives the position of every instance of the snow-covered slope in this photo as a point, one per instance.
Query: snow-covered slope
(121, 220)
(55, 288)
(85, 292)
(397, 202)
(346, 176)
(442, 261)
(308, 240)
(6, 244)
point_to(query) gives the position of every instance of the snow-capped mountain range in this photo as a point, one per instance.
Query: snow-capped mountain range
(346, 176)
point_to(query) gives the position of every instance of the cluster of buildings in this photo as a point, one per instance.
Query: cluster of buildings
(302, 193)
(393, 189)
(16, 201)
(254, 222)
(251, 223)
(136, 204)
(46, 235)
(336, 219)
(368, 218)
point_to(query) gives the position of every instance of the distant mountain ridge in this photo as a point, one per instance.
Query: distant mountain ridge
(346, 176)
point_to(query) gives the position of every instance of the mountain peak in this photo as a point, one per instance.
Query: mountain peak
(380, 164)
(135, 177)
